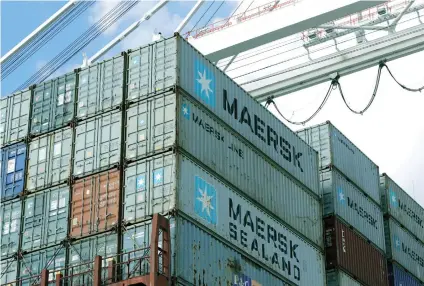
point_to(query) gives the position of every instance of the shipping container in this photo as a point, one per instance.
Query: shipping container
(49, 160)
(339, 278)
(8, 270)
(85, 250)
(399, 277)
(202, 259)
(31, 264)
(348, 251)
(97, 144)
(336, 150)
(53, 104)
(45, 219)
(100, 87)
(151, 186)
(345, 200)
(404, 249)
(164, 64)
(10, 223)
(14, 117)
(398, 204)
(95, 204)
(12, 170)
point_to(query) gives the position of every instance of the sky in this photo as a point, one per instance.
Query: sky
(390, 132)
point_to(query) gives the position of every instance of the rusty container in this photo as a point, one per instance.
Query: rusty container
(95, 204)
(346, 250)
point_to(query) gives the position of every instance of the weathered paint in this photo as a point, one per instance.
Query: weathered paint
(12, 170)
(344, 199)
(14, 117)
(200, 258)
(348, 251)
(397, 203)
(399, 277)
(49, 159)
(8, 270)
(162, 65)
(31, 264)
(45, 219)
(100, 87)
(404, 249)
(97, 143)
(53, 104)
(248, 228)
(336, 150)
(10, 223)
(339, 278)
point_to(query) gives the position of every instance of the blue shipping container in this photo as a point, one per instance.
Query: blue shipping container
(399, 277)
(12, 170)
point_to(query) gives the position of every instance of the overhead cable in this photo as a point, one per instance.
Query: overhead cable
(201, 17)
(401, 85)
(213, 15)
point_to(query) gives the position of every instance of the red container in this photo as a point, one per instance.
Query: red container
(348, 251)
(95, 204)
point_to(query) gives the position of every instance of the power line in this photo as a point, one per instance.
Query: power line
(201, 17)
(213, 15)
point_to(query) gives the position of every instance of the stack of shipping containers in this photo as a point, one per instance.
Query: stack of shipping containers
(89, 157)
(404, 230)
(353, 219)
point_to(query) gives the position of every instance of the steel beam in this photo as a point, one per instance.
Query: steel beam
(277, 24)
(345, 62)
(189, 16)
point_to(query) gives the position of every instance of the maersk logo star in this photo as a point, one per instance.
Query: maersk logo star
(204, 83)
(397, 242)
(186, 110)
(205, 200)
(158, 177)
(341, 196)
(141, 182)
(393, 199)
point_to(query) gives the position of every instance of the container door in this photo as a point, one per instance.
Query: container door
(57, 215)
(20, 116)
(164, 64)
(107, 201)
(139, 74)
(13, 167)
(110, 140)
(63, 112)
(61, 156)
(33, 229)
(84, 148)
(9, 271)
(164, 123)
(87, 91)
(3, 120)
(137, 137)
(38, 163)
(41, 108)
(112, 82)
(10, 221)
(82, 212)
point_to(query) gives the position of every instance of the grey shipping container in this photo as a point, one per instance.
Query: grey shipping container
(31, 264)
(248, 228)
(397, 203)
(339, 278)
(97, 143)
(85, 250)
(173, 61)
(200, 258)
(151, 186)
(10, 223)
(49, 160)
(8, 270)
(345, 200)
(45, 220)
(53, 104)
(404, 249)
(14, 117)
(100, 87)
(336, 150)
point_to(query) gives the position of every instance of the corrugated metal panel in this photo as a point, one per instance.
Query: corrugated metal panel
(49, 160)
(85, 250)
(95, 204)
(10, 223)
(399, 277)
(100, 87)
(45, 220)
(149, 187)
(339, 278)
(12, 170)
(97, 143)
(151, 126)
(229, 102)
(8, 270)
(199, 258)
(248, 228)
(14, 117)
(343, 199)
(347, 250)
(33, 263)
(336, 150)
(53, 104)
(403, 248)
(402, 207)
(217, 148)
